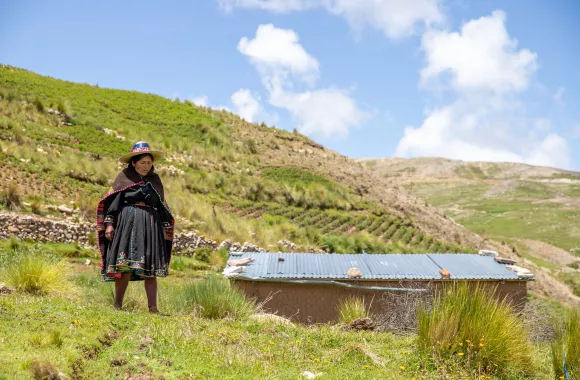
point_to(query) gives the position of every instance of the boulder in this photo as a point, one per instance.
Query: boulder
(362, 324)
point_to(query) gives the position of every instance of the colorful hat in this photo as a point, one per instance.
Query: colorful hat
(140, 148)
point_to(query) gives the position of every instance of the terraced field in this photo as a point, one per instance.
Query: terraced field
(384, 232)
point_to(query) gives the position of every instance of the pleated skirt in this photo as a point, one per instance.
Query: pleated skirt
(138, 245)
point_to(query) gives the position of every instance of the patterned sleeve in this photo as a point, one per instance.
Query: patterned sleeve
(114, 208)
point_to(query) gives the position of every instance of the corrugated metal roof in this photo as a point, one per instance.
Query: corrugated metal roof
(373, 266)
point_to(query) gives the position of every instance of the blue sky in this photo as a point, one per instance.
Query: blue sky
(472, 80)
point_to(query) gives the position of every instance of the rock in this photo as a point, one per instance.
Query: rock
(354, 272)
(5, 289)
(486, 252)
(444, 273)
(240, 262)
(503, 260)
(225, 244)
(521, 272)
(63, 208)
(88, 262)
(362, 324)
(13, 229)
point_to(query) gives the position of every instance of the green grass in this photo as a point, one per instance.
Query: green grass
(514, 214)
(215, 298)
(467, 327)
(81, 335)
(567, 345)
(572, 279)
(350, 309)
(32, 271)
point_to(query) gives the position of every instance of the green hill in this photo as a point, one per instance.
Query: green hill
(60, 141)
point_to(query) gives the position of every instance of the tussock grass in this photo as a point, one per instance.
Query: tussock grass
(350, 309)
(31, 271)
(468, 327)
(214, 298)
(566, 346)
(44, 369)
(10, 197)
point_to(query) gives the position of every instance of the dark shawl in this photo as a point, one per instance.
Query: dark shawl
(126, 179)
(129, 177)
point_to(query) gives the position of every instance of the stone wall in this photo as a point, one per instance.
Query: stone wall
(65, 231)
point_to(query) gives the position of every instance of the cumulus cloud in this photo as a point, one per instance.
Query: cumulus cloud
(395, 18)
(483, 67)
(201, 101)
(467, 131)
(481, 56)
(283, 64)
(246, 105)
(278, 52)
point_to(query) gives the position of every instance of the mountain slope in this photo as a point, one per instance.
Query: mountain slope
(534, 210)
(66, 136)
(225, 178)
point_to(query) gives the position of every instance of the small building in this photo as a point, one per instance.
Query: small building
(307, 287)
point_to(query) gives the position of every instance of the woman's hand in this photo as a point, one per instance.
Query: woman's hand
(109, 232)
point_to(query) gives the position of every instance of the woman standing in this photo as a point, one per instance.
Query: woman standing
(135, 226)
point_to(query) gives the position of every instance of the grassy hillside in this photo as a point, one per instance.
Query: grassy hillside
(224, 177)
(534, 210)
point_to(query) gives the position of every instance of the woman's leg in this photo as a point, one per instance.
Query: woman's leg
(151, 290)
(120, 288)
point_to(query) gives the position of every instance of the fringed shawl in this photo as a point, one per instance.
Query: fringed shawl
(126, 179)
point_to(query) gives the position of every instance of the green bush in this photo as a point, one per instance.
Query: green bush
(214, 298)
(203, 253)
(567, 342)
(31, 271)
(350, 309)
(10, 197)
(469, 327)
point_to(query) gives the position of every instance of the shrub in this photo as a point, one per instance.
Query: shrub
(202, 253)
(214, 298)
(36, 208)
(11, 197)
(567, 344)
(177, 263)
(468, 327)
(44, 369)
(350, 309)
(218, 259)
(33, 272)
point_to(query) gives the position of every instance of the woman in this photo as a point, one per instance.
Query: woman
(135, 226)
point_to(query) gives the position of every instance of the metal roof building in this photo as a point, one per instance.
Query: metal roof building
(307, 287)
(373, 266)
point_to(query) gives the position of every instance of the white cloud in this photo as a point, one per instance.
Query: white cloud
(396, 18)
(278, 52)
(246, 105)
(280, 59)
(472, 131)
(201, 101)
(328, 112)
(278, 6)
(481, 56)
(485, 122)
(559, 95)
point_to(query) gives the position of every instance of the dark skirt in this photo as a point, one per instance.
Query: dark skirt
(137, 246)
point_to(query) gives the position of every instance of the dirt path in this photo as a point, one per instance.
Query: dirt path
(548, 252)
